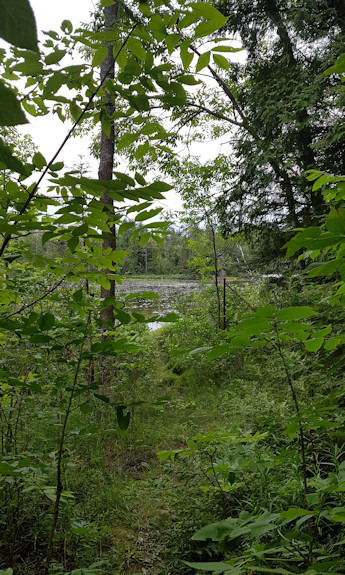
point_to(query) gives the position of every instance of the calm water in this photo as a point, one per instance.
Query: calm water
(169, 292)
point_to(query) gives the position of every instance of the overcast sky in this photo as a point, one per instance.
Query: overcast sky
(48, 132)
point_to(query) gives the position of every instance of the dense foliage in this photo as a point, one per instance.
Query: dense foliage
(242, 393)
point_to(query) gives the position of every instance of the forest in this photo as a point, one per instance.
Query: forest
(203, 433)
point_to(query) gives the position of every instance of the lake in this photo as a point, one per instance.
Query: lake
(169, 292)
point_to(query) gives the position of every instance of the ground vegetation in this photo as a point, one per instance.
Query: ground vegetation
(216, 443)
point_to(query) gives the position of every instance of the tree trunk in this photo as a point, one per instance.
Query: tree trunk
(106, 160)
(215, 260)
(105, 172)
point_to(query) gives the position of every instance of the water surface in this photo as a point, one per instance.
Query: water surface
(169, 292)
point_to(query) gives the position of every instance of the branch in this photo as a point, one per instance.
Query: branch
(32, 194)
(215, 114)
(226, 91)
(245, 301)
(26, 306)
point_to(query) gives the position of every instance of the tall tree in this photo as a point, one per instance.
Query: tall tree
(286, 101)
(107, 148)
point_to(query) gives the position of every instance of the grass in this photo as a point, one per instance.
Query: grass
(138, 514)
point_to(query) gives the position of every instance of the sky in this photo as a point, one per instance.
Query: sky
(48, 132)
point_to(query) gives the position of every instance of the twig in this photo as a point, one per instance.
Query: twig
(26, 306)
(244, 300)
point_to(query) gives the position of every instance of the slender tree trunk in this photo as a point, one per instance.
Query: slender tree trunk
(216, 281)
(105, 172)
(106, 160)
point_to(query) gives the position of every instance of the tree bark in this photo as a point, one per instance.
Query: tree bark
(215, 263)
(106, 160)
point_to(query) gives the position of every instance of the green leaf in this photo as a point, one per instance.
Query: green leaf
(17, 24)
(335, 222)
(122, 418)
(125, 227)
(203, 61)
(121, 57)
(136, 47)
(295, 312)
(10, 162)
(141, 150)
(157, 27)
(126, 140)
(56, 167)
(77, 296)
(46, 321)
(221, 61)
(75, 110)
(122, 316)
(125, 178)
(171, 42)
(189, 80)
(81, 230)
(73, 244)
(140, 179)
(40, 338)
(28, 68)
(206, 10)
(103, 282)
(11, 113)
(333, 343)
(54, 57)
(326, 268)
(210, 26)
(226, 49)
(147, 214)
(159, 187)
(214, 566)
(218, 351)
(338, 67)
(99, 56)
(66, 26)
(314, 344)
(39, 161)
(294, 327)
(186, 56)
(145, 238)
(85, 408)
(189, 19)
(103, 398)
(294, 512)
